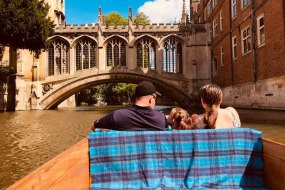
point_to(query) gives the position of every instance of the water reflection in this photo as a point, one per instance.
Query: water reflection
(31, 138)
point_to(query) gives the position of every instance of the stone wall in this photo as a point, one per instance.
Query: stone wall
(264, 94)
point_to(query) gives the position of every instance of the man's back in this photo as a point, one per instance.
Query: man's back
(136, 118)
(140, 117)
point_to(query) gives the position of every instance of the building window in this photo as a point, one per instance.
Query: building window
(215, 25)
(222, 56)
(116, 52)
(58, 54)
(234, 8)
(244, 3)
(215, 2)
(85, 55)
(215, 67)
(221, 20)
(246, 40)
(209, 8)
(234, 47)
(172, 56)
(260, 30)
(146, 56)
(205, 14)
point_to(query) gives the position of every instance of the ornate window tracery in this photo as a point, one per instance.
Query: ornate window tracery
(58, 58)
(146, 54)
(116, 52)
(85, 54)
(172, 56)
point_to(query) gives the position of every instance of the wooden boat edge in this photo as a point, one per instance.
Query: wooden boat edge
(56, 174)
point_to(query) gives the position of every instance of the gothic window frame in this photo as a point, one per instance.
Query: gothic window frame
(116, 52)
(173, 56)
(146, 53)
(85, 54)
(58, 57)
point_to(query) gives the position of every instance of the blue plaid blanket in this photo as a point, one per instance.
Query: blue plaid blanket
(188, 159)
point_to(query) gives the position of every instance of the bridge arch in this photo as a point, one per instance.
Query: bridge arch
(57, 95)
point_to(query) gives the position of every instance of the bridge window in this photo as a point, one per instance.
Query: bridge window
(116, 52)
(85, 55)
(146, 56)
(172, 56)
(58, 54)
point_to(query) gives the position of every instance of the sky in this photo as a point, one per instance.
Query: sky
(159, 11)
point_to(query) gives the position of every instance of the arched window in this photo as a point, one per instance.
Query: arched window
(85, 54)
(146, 55)
(58, 58)
(172, 56)
(116, 52)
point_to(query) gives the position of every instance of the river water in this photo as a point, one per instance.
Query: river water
(31, 138)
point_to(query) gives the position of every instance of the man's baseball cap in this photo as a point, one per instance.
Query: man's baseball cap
(146, 88)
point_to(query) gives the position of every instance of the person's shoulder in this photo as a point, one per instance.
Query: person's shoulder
(122, 111)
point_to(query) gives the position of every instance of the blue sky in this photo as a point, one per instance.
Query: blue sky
(159, 11)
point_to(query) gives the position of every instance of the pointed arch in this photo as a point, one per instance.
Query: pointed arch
(116, 51)
(58, 55)
(146, 47)
(175, 36)
(115, 36)
(173, 54)
(58, 37)
(83, 37)
(146, 36)
(85, 48)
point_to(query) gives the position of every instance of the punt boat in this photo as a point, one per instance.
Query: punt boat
(70, 169)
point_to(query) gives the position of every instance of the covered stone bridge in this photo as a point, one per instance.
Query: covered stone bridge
(175, 90)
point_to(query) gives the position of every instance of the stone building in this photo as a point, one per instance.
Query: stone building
(175, 56)
(247, 50)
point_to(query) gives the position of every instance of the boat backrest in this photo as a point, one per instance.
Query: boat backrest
(188, 159)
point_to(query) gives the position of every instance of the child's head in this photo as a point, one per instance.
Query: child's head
(179, 119)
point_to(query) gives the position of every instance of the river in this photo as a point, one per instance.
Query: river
(31, 138)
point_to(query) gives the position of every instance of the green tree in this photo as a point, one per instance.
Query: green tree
(115, 18)
(141, 18)
(23, 25)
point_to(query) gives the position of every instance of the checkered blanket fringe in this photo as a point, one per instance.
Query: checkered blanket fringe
(188, 159)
